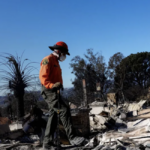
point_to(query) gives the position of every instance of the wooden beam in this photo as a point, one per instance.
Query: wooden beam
(145, 116)
(144, 111)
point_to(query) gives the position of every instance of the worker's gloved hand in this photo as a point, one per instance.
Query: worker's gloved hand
(57, 86)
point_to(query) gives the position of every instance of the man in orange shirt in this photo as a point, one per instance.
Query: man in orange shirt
(51, 80)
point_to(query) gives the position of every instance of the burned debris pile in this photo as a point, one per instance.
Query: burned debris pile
(105, 125)
(125, 127)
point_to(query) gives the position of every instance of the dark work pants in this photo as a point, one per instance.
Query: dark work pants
(51, 98)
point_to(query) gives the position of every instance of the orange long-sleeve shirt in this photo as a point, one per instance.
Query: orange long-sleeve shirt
(50, 71)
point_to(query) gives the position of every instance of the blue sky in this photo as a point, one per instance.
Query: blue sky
(107, 26)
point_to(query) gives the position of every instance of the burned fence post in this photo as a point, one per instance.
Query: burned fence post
(85, 103)
(98, 87)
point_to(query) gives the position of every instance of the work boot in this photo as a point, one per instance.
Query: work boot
(78, 141)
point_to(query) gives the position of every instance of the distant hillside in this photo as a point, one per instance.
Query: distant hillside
(67, 91)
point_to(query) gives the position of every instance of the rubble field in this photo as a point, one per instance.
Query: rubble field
(105, 125)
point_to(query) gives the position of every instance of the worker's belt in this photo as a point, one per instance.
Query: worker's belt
(45, 89)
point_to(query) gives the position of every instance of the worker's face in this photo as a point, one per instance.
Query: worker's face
(62, 57)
